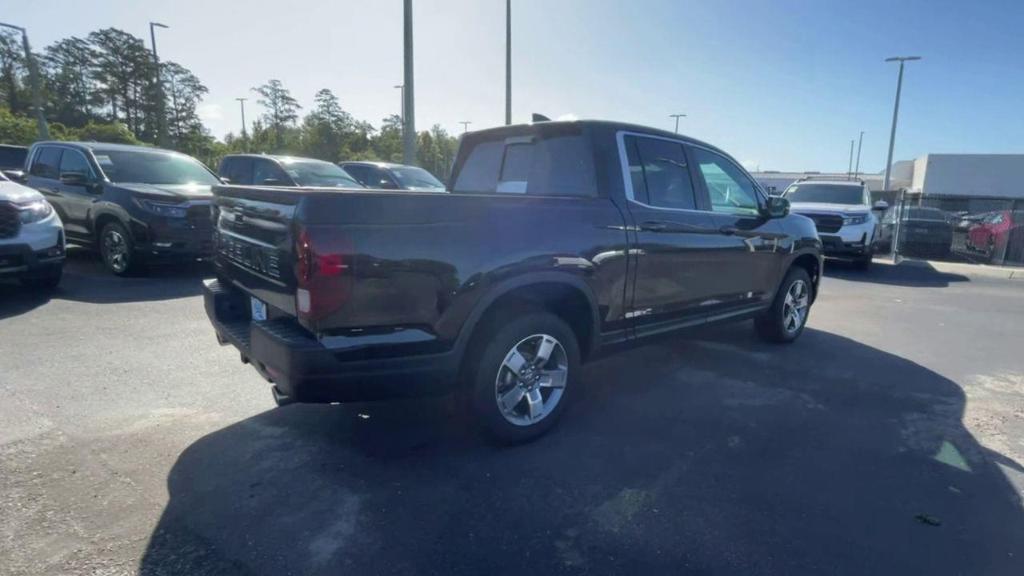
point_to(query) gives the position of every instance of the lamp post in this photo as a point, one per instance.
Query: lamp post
(895, 114)
(465, 125)
(508, 62)
(856, 168)
(408, 95)
(401, 112)
(677, 117)
(245, 138)
(849, 167)
(33, 75)
(161, 125)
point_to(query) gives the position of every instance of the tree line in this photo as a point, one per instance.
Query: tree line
(107, 87)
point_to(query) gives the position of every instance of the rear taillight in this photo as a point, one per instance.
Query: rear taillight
(322, 273)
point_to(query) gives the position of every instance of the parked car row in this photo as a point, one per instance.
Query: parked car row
(139, 205)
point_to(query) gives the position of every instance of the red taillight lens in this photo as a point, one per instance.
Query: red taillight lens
(321, 273)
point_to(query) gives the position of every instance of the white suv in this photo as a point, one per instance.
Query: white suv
(847, 222)
(31, 237)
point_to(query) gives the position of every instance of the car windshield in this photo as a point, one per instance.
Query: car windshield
(414, 178)
(826, 194)
(315, 173)
(921, 213)
(145, 167)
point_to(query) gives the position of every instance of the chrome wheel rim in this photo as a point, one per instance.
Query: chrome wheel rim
(115, 250)
(794, 310)
(531, 379)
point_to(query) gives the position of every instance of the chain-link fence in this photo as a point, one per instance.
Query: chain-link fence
(976, 229)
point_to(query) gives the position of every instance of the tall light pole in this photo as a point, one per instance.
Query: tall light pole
(409, 109)
(161, 124)
(401, 112)
(508, 62)
(241, 102)
(895, 114)
(33, 76)
(677, 117)
(465, 125)
(849, 167)
(856, 168)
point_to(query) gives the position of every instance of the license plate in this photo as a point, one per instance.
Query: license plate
(259, 309)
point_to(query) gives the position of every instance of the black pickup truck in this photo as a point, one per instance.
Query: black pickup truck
(557, 242)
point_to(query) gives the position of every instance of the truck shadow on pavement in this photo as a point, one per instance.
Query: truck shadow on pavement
(921, 274)
(720, 455)
(86, 280)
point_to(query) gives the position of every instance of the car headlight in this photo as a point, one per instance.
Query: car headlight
(163, 208)
(35, 211)
(855, 219)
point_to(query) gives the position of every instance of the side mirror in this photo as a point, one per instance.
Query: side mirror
(880, 205)
(778, 207)
(74, 179)
(15, 175)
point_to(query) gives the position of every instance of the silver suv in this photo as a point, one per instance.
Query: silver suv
(31, 237)
(842, 212)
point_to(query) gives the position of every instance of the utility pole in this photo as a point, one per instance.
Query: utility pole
(408, 96)
(401, 112)
(508, 62)
(895, 114)
(849, 167)
(465, 125)
(677, 117)
(860, 142)
(161, 123)
(33, 75)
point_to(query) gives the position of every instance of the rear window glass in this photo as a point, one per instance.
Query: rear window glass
(546, 166)
(11, 158)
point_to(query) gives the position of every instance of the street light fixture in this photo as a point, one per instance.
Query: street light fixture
(895, 114)
(677, 117)
(33, 75)
(465, 125)
(161, 103)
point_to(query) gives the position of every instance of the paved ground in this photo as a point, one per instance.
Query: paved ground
(888, 440)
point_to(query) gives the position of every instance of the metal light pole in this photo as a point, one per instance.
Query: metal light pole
(508, 62)
(241, 102)
(895, 114)
(465, 125)
(677, 117)
(33, 76)
(409, 110)
(161, 126)
(856, 168)
(401, 113)
(849, 167)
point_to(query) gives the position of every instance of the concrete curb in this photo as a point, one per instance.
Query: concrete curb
(977, 270)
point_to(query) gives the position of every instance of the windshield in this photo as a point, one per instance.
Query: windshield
(826, 194)
(414, 178)
(313, 173)
(12, 158)
(922, 213)
(143, 167)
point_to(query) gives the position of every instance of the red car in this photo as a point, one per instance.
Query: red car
(992, 233)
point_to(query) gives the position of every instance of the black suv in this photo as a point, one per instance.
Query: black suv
(389, 176)
(12, 161)
(291, 171)
(135, 204)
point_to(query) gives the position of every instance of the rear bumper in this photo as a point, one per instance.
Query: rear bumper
(303, 369)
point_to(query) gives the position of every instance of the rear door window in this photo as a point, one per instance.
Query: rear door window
(237, 170)
(659, 173)
(47, 162)
(554, 165)
(74, 162)
(358, 172)
(268, 173)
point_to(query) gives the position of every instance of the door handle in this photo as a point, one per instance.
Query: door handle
(728, 230)
(653, 226)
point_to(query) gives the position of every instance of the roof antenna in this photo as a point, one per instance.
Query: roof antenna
(540, 118)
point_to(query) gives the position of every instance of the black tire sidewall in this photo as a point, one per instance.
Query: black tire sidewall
(772, 324)
(501, 339)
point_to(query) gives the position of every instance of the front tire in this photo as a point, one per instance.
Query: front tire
(785, 320)
(523, 377)
(118, 250)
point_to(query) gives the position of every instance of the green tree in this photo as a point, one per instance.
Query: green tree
(282, 110)
(184, 94)
(326, 128)
(126, 71)
(16, 129)
(13, 87)
(71, 89)
(387, 144)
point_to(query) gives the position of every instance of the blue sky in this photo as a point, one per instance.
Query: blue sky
(781, 84)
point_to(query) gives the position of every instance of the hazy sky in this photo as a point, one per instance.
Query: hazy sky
(780, 84)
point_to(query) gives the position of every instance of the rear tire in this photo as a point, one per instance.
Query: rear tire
(784, 322)
(522, 379)
(118, 250)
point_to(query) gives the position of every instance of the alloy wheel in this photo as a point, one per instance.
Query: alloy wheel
(796, 306)
(531, 380)
(115, 251)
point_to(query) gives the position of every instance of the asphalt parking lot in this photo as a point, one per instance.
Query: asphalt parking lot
(889, 439)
